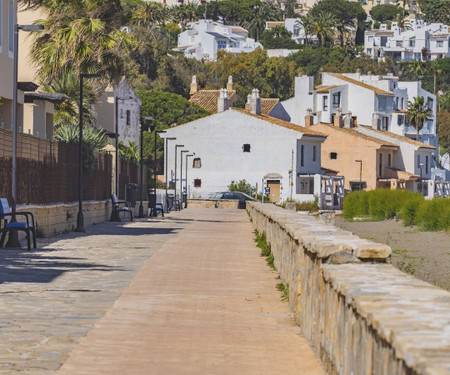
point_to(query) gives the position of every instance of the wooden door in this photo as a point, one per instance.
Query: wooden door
(274, 186)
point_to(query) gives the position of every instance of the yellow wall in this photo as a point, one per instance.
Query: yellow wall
(349, 148)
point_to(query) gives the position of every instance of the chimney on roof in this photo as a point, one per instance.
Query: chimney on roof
(337, 118)
(247, 105)
(348, 120)
(194, 87)
(255, 102)
(223, 103)
(230, 85)
(309, 118)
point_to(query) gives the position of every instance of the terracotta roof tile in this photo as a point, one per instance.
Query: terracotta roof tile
(267, 104)
(400, 138)
(361, 84)
(284, 124)
(357, 134)
(207, 99)
(323, 89)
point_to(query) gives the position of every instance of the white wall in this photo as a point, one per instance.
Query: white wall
(218, 140)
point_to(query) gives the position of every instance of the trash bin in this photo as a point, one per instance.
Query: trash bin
(185, 199)
(131, 192)
(170, 201)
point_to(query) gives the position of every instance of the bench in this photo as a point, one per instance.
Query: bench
(7, 225)
(159, 208)
(118, 207)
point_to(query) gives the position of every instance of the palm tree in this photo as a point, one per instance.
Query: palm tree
(261, 14)
(184, 13)
(81, 37)
(146, 14)
(417, 68)
(323, 25)
(67, 111)
(418, 113)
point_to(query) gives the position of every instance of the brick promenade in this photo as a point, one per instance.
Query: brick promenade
(187, 294)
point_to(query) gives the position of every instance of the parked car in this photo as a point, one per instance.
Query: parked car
(232, 195)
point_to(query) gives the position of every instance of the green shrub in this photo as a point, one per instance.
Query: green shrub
(409, 210)
(356, 204)
(434, 214)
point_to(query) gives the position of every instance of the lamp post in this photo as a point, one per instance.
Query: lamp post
(360, 173)
(166, 167)
(154, 169)
(187, 156)
(80, 217)
(13, 238)
(175, 184)
(141, 207)
(181, 177)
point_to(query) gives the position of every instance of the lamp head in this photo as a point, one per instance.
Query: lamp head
(30, 27)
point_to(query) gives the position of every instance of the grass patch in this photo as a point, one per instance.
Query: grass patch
(284, 289)
(261, 242)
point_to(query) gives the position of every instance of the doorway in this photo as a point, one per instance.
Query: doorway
(275, 190)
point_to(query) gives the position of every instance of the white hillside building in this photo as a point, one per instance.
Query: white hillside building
(417, 41)
(236, 144)
(378, 101)
(204, 38)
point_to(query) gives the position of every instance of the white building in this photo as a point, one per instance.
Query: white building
(204, 38)
(123, 99)
(236, 144)
(294, 26)
(378, 101)
(417, 41)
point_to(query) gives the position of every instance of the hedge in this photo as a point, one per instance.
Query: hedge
(412, 208)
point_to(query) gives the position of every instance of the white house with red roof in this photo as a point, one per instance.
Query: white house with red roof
(236, 144)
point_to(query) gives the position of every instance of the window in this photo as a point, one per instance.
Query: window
(398, 43)
(325, 103)
(400, 120)
(439, 43)
(302, 155)
(369, 51)
(246, 147)
(426, 164)
(197, 182)
(337, 100)
(380, 165)
(385, 124)
(314, 153)
(418, 161)
(389, 160)
(221, 44)
(333, 155)
(197, 163)
(11, 26)
(383, 41)
(128, 117)
(412, 42)
(402, 105)
(370, 38)
(121, 113)
(430, 103)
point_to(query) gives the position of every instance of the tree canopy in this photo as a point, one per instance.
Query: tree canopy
(385, 12)
(436, 11)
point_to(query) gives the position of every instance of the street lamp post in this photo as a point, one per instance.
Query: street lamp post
(13, 238)
(154, 170)
(181, 177)
(166, 153)
(360, 173)
(80, 217)
(141, 206)
(187, 156)
(175, 184)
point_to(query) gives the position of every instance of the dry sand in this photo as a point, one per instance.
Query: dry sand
(426, 255)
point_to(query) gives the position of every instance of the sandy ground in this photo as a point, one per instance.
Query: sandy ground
(426, 255)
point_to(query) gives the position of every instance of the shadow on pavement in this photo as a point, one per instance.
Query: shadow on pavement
(26, 266)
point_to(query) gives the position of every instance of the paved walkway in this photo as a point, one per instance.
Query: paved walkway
(201, 301)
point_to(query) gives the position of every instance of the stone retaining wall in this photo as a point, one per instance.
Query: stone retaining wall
(213, 203)
(61, 217)
(362, 315)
